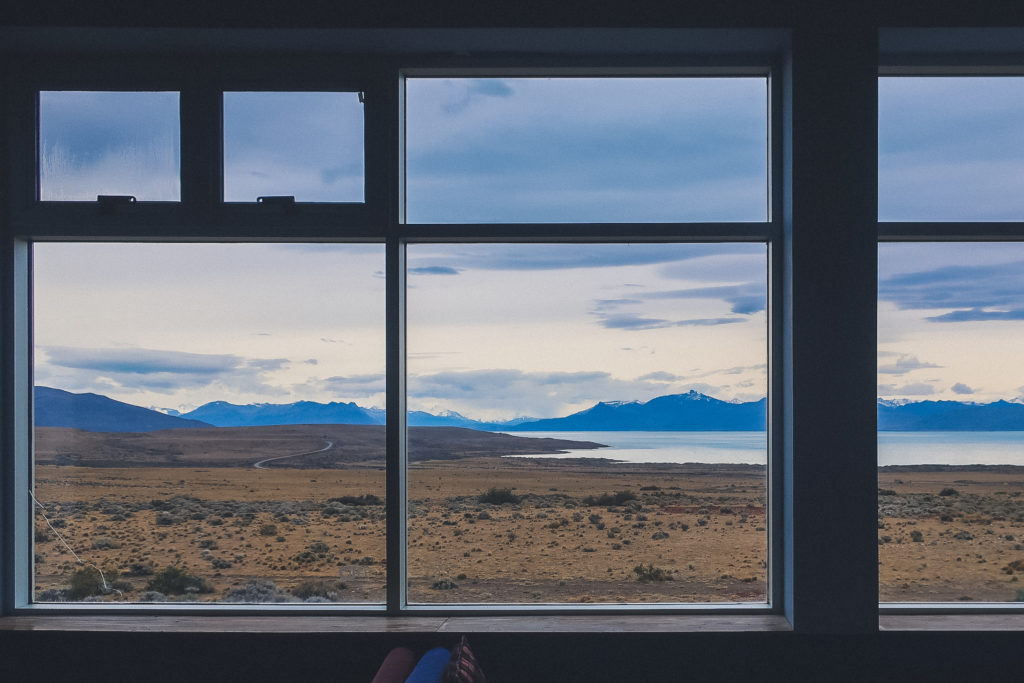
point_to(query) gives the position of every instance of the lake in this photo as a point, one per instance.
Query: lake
(894, 448)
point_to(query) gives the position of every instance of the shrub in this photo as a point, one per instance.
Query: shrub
(610, 499)
(444, 585)
(105, 543)
(496, 496)
(649, 573)
(949, 492)
(916, 536)
(318, 588)
(85, 582)
(1020, 595)
(51, 595)
(139, 569)
(366, 499)
(174, 580)
(268, 530)
(261, 590)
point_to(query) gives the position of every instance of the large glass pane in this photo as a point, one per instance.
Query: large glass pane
(119, 143)
(586, 149)
(208, 422)
(951, 149)
(587, 423)
(951, 422)
(305, 144)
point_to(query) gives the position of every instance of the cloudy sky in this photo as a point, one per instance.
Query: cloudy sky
(951, 316)
(498, 331)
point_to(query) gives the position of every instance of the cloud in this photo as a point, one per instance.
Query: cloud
(352, 386)
(136, 369)
(630, 149)
(608, 317)
(961, 388)
(904, 364)
(949, 149)
(633, 322)
(914, 389)
(745, 299)
(989, 292)
(976, 315)
(433, 270)
(517, 257)
(508, 392)
(659, 376)
(141, 361)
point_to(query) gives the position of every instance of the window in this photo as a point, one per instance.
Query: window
(949, 408)
(305, 144)
(341, 406)
(109, 143)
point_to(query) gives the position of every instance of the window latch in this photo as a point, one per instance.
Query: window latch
(286, 202)
(109, 202)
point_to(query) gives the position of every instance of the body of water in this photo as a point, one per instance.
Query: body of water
(894, 448)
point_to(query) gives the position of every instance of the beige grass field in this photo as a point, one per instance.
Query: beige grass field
(698, 531)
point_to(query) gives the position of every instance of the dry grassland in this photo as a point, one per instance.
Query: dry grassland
(698, 532)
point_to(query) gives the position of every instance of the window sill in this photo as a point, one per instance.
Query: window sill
(951, 622)
(364, 624)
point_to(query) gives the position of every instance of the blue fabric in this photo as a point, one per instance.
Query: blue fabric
(430, 666)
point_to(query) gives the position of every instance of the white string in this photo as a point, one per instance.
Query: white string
(107, 588)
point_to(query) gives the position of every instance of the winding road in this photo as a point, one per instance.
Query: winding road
(259, 465)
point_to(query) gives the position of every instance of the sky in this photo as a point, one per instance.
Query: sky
(499, 331)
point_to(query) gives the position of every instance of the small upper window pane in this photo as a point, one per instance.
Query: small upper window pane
(951, 149)
(586, 149)
(305, 144)
(121, 143)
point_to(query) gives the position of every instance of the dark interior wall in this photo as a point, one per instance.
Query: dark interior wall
(966, 656)
(517, 658)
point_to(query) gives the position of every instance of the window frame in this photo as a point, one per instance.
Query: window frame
(950, 53)
(202, 215)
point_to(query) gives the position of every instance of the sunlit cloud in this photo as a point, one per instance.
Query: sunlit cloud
(903, 365)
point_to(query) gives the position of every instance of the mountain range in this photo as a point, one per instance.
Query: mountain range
(691, 411)
(96, 413)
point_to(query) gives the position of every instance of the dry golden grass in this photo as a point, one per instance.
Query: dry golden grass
(545, 548)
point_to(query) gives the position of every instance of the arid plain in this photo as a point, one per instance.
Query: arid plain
(309, 524)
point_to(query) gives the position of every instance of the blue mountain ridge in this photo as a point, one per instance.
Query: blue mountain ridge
(96, 413)
(691, 411)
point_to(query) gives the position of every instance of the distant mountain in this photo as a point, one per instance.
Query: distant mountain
(95, 413)
(692, 411)
(899, 416)
(223, 414)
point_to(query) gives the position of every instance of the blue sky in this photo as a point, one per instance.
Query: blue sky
(497, 331)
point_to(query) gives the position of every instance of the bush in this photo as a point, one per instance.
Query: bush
(610, 499)
(84, 583)
(916, 536)
(949, 492)
(649, 573)
(318, 588)
(1020, 595)
(105, 543)
(174, 580)
(496, 496)
(261, 590)
(366, 499)
(268, 530)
